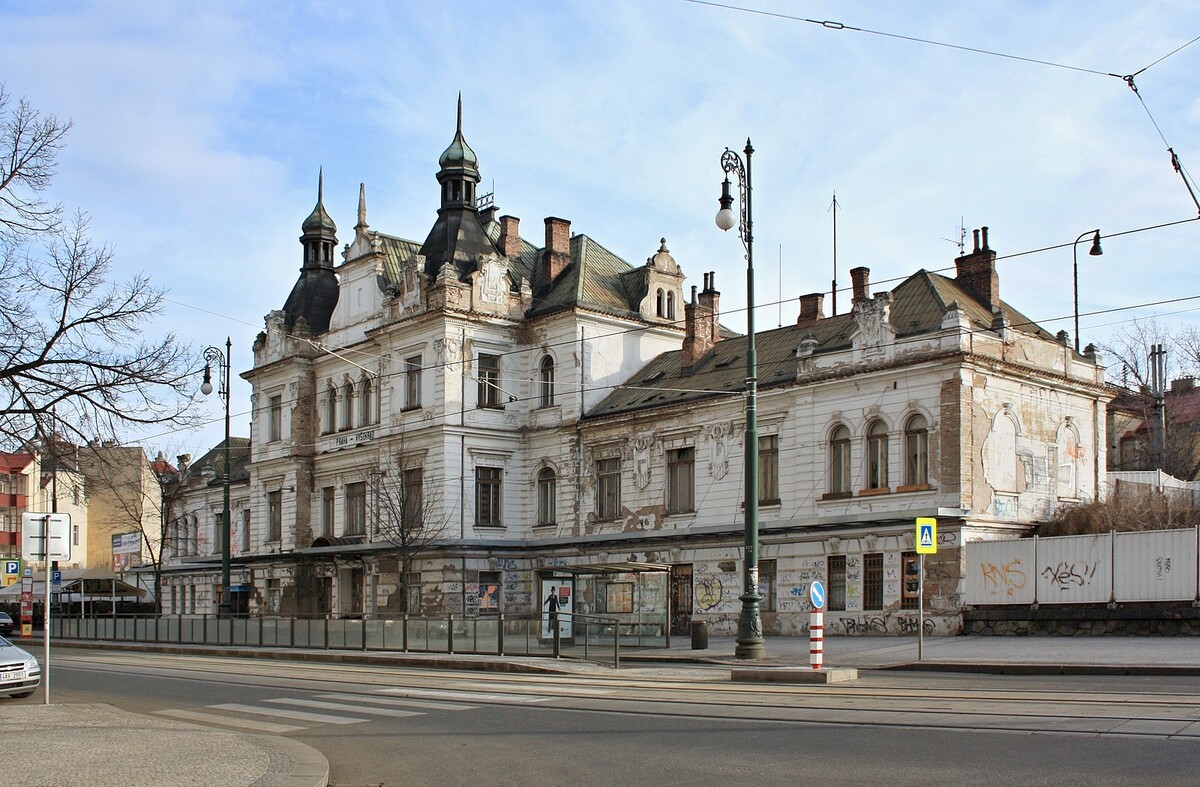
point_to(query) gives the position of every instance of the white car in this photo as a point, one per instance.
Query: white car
(20, 672)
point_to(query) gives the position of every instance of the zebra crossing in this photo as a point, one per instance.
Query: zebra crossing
(280, 715)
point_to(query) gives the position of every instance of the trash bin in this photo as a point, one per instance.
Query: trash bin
(699, 635)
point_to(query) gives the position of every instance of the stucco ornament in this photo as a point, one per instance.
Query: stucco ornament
(641, 446)
(718, 441)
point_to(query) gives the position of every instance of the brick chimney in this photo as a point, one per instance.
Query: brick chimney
(557, 254)
(812, 308)
(702, 329)
(710, 299)
(859, 277)
(510, 241)
(976, 271)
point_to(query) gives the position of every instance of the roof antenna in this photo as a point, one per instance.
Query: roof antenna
(961, 243)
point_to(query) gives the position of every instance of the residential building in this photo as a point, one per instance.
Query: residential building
(125, 502)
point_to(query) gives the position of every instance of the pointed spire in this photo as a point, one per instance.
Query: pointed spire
(362, 207)
(458, 126)
(318, 224)
(321, 185)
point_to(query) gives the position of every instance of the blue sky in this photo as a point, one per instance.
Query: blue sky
(200, 129)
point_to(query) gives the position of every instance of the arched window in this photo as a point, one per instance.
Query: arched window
(916, 451)
(877, 455)
(331, 409)
(671, 305)
(547, 497)
(839, 461)
(660, 304)
(546, 381)
(365, 403)
(348, 405)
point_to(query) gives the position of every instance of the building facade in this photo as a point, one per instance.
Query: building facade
(467, 424)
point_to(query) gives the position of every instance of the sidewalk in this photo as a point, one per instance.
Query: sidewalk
(102, 746)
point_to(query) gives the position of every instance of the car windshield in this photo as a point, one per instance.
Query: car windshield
(4, 643)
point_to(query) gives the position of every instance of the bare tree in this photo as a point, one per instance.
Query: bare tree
(406, 511)
(76, 360)
(29, 147)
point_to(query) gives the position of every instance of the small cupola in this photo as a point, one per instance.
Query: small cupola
(459, 170)
(318, 232)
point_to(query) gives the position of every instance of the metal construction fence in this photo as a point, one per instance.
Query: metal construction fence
(585, 637)
(1144, 566)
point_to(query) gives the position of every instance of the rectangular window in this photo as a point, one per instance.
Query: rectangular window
(877, 456)
(910, 588)
(916, 453)
(835, 575)
(412, 382)
(245, 541)
(547, 497)
(839, 462)
(275, 516)
(681, 480)
(489, 381)
(413, 505)
(608, 488)
(487, 496)
(411, 593)
(74, 535)
(356, 509)
(216, 533)
(873, 581)
(766, 585)
(327, 503)
(275, 414)
(768, 469)
(490, 584)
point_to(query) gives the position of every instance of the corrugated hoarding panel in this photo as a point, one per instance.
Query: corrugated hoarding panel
(1074, 569)
(999, 572)
(1157, 565)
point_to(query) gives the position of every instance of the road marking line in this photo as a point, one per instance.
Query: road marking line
(229, 721)
(343, 706)
(288, 714)
(427, 704)
(467, 695)
(558, 690)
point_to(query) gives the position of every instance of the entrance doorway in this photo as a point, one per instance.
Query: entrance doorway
(681, 600)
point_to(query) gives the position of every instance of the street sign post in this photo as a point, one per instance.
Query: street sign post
(816, 624)
(926, 540)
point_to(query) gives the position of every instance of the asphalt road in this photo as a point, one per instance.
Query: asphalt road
(415, 727)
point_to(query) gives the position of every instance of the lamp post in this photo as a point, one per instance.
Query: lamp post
(1095, 251)
(213, 355)
(749, 634)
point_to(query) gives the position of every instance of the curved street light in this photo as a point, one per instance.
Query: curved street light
(749, 633)
(1095, 251)
(213, 355)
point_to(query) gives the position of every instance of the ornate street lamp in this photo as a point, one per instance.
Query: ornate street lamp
(749, 634)
(1095, 251)
(213, 355)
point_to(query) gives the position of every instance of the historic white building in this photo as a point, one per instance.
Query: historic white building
(461, 424)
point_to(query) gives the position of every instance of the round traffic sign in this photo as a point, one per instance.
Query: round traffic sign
(816, 594)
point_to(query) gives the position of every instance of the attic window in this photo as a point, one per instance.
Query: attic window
(654, 377)
(721, 364)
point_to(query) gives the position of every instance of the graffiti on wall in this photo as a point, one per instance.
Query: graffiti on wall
(1006, 579)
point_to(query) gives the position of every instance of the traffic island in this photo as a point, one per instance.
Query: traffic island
(793, 675)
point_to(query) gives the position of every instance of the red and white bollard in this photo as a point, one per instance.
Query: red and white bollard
(816, 639)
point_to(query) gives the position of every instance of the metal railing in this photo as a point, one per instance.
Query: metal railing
(584, 637)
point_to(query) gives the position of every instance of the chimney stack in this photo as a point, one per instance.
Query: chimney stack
(510, 241)
(861, 287)
(812, 308)
(976, 271)
(557, 254)
(702, 330)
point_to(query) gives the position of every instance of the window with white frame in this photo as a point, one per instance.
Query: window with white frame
(916, 451)
(330, 419)
(275, 418)
(877, 455)
(608, 488)
(348, 406)
(275, 515)
(839, 460)
(356, 509)
(245, 531)
(489, 381)
(768, 469)
(412, 382)
(547, 493)
(487, 496)
(681, 480)
(366, 403)
(327, 505)
(413, 491)
(546, 381)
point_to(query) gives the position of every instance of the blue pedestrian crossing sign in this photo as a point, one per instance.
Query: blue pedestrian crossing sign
(926, 536)
(816, 594)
